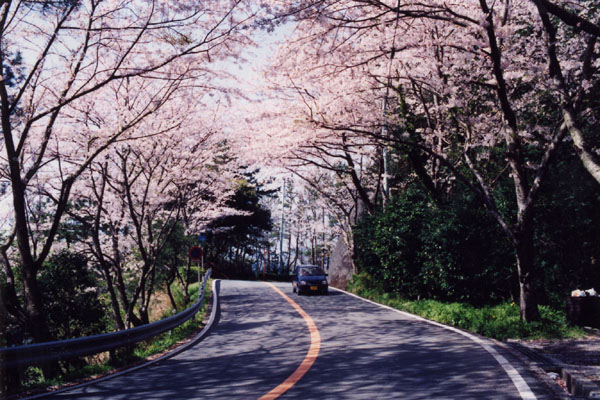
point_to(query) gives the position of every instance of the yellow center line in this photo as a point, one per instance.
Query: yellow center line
(311, 356)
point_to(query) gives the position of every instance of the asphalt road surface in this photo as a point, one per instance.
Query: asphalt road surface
(366, 352)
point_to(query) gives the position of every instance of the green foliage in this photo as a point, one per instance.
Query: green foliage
(446, 246)
(168, 340)
(449, 251)
(568, 216)
(244, 229)
(174, 254)
(34, 378)
(13, 69)
(232, 237)
(179, 297)
(501, 321)
(71, 296)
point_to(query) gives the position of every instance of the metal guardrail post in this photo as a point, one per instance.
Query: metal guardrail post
(42, 353)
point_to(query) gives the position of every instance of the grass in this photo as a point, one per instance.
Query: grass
(500, 322)
(171, 338)
(33, 379)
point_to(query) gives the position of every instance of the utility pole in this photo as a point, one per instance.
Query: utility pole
(386, 184)
(323, 239)
(281, 228)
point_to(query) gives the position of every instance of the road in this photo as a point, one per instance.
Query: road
(364, 352)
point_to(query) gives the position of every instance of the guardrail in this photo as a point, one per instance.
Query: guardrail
(42, 353)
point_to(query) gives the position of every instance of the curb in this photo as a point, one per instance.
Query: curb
(192, 342)
(540, 367)
(579, 385)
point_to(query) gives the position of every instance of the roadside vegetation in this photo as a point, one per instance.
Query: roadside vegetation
(99, 365)
(501, 321)
(462, 179)
(445, 258)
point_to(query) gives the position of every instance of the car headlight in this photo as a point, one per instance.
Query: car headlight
(324, 282)
(303, 283)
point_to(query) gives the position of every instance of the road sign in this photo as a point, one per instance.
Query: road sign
(195, 253)
(202, 238)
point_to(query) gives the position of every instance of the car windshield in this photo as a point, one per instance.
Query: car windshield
(311, 271)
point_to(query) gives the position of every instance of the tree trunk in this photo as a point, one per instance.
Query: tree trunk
(528, 299)
(170, 293)
(528, 302)
(114, 301)
(8, 295)
(188, 272)
(590, 161)
(10, 381)
(144, 315)
(36, 323)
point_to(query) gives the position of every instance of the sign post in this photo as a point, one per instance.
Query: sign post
(197, 255)
(202, 237)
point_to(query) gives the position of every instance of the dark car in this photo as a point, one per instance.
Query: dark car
(310, 279)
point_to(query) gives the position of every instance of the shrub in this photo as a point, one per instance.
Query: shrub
(70, 292)
(500, 322)
(449, 251)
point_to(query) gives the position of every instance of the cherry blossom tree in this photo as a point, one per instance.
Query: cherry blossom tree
(138, 195)
(573, 66)
(61, 61)
(471, 80)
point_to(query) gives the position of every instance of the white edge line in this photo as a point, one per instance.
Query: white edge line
(175, 351)
(512, 373)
